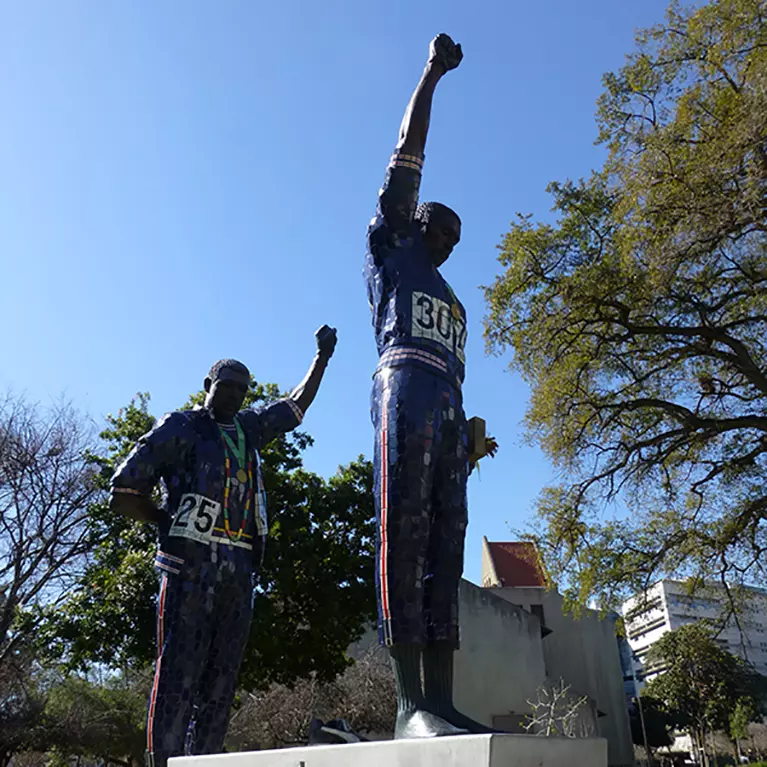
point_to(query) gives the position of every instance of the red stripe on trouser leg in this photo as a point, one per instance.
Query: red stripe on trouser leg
(155, 683)
(383, 565)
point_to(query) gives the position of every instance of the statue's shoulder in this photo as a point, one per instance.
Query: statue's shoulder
(182, 420)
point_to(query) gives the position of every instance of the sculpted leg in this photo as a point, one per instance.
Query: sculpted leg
(444, 563)
(415, 719)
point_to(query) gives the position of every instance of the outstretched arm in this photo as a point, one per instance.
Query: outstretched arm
(444, 55)
(399, 195)
(303, 395)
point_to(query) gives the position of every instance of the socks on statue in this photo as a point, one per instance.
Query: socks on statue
(438, 675)
(406, 664)
(415, 719)
(438, 687)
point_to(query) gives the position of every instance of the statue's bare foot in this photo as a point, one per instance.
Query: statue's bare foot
(423, 724)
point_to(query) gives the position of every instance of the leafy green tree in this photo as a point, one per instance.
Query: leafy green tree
(658, 723)
(21, 705)
(702, 683)
(744, 713)
(639, 318)
(46, 711)
(315, 594)
(103, 721)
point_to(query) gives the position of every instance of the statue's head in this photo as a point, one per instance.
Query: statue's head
(226, 386)
(441, 230)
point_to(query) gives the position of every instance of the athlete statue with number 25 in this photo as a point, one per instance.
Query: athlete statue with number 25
(212, 528)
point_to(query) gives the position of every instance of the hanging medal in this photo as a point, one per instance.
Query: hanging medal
(240, 453)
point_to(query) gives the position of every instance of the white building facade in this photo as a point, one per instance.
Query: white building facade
(666, 606)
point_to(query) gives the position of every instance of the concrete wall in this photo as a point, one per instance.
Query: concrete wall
(584, 652)
(501, 662)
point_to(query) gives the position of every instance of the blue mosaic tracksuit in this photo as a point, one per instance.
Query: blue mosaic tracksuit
(421, 443)
(205, 601)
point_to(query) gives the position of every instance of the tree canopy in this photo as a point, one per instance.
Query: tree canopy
(639, 319)
(706, 687)
(658, 723)
(47, 490)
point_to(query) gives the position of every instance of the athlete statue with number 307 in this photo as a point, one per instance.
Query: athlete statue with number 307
(212, 531)
(421, 454)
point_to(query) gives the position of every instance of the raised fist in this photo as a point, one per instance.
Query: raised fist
(445, 52)
(326, 341)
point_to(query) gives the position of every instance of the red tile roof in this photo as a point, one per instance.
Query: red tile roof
(516, 564)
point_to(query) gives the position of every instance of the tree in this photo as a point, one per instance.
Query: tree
(658, 723)
(47, 487)
(315, 595)
(639, 318)
(21, 705)
(46, 711)
(702, 683)
(99, 720)
(279, 716)
(741, 716)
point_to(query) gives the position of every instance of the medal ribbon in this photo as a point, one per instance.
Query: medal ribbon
(239, 453)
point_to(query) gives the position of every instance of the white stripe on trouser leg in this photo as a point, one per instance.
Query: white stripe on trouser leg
(156, 682)
(383, 563)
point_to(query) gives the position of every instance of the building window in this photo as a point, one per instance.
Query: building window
(642, 608)
(639, 631)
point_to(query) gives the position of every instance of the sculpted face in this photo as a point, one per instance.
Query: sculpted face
(443, 232)
(226, 393)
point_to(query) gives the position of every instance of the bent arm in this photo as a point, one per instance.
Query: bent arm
(138, 507)
(156, 451)
(303, 395)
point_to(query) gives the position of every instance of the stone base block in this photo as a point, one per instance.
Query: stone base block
(459, 751)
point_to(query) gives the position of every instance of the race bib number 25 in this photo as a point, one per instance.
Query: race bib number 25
(433, 319)
(195, 518)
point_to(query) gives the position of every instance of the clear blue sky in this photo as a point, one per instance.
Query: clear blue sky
(185, 181)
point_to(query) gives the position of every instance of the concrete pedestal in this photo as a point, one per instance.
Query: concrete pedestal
(459, 751)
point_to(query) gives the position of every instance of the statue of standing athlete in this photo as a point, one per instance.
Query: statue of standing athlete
(212, 527)
(421, 454)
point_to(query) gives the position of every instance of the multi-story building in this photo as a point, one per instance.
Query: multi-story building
(667, 606)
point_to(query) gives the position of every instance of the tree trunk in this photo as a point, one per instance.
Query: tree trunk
(735, 743)
(714, 761)
(700, 742)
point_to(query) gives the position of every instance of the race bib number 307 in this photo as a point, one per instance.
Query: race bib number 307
(433, 319)
(195, 518)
